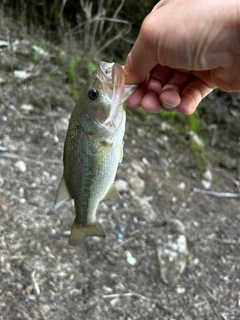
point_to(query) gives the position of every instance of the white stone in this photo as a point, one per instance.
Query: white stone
(20, 166)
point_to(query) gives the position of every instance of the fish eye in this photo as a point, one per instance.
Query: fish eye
(93, 94)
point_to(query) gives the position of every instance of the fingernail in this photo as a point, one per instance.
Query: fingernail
(168, 106)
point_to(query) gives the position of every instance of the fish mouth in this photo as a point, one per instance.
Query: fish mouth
(104, 72)
(112, 75)
(115, 73)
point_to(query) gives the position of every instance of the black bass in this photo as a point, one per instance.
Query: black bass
(93, 148)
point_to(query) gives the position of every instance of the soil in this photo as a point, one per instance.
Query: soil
(172, 250)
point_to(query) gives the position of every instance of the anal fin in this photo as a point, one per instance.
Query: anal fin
(112, 193)
(62, 195)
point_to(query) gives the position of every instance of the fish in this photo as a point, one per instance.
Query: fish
(93, 148)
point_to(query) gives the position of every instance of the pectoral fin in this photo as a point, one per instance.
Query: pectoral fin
(62, 195)
(112, 193)
(100, 154)
(121, 152)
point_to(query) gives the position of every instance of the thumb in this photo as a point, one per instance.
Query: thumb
(142, 58)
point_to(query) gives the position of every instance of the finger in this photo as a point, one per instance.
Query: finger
(150, 100)
(147, 93)
(134, 101)
(192, 95)
(170, 96)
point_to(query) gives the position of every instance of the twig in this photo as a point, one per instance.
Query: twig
(217, 194)
(127, 294)
(35, 284)
(224, 241)
(117, 246)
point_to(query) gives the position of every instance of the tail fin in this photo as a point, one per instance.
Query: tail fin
(79, 232)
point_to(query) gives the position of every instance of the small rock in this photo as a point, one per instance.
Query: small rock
(138, 166)
(40, 51)
(62, 124)
(206, 184)
(195, 138)
(20, 166)
(207, 175)
(130, 259)
(172, 252)
(164, 163)
(182, 186)
(164, 126)
(114, 301)
(180, 290)
(1, 181)
(22, 47)
(2, 80)
(107, 289)
(21, 192)
(4, 44)
(145, 161)
(21, 74)
(121, 185)
(137, 184)
(27, 108)
(146, 210)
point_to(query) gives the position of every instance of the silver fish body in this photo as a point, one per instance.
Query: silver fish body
(93, 149)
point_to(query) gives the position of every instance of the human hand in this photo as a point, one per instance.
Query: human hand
(184, 50)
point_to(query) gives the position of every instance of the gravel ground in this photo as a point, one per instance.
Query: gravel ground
(171, 252)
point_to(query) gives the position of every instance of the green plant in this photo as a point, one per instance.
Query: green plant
(28, 255)
(193, 123)
(193, 127)
(92, 65)
(72, 68)
(168, 115)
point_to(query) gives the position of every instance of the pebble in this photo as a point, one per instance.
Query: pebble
(121, 185)
(172, 252)
(146, 210)
(40, 51)
(62, 124)
(1, 181)
(20, 166)
(207, 175)
(180, 290)
(206, 184)
(114, 301)
(27, 108)
(4, 43)
(182, 186)
(130, 259)
(164, 164)
(138, 166)
(2, 80)
(21, 74)
(196, 139)
(137, 184)
(22, 47)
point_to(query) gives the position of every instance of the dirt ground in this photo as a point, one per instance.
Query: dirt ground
(172, 251)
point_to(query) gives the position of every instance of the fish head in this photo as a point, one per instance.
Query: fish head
(105, 93)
